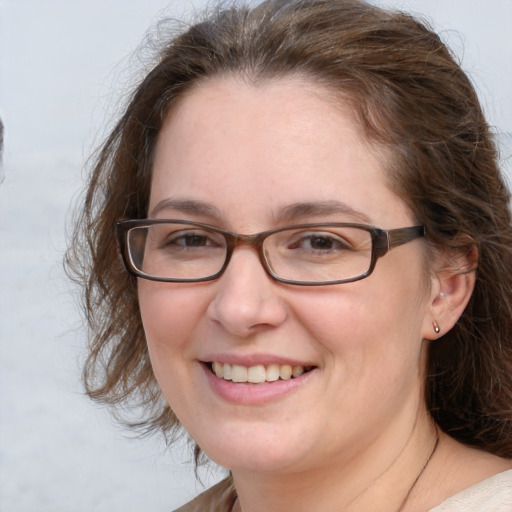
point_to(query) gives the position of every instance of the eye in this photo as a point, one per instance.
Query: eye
(319, 242)
(192, 239)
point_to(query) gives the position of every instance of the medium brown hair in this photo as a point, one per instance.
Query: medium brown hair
(412, 98)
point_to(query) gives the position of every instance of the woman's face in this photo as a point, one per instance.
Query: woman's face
(249, 158)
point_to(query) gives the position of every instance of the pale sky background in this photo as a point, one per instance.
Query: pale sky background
(63, 67)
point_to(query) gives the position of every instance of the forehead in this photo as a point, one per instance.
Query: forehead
(249, 147)
(267, 104)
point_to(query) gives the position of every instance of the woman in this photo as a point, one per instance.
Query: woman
(317, 246)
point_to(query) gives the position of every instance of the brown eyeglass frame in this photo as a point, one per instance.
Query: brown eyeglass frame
(382, 242)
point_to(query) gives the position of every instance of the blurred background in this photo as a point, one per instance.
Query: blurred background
(64, 68)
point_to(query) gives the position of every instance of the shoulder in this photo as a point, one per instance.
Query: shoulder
(219, 498)
(491, 495)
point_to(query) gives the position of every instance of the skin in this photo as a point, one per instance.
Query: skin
(356, 430)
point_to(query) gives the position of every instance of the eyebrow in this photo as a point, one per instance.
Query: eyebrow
(289, 214)
(188, 206)
(296, 211)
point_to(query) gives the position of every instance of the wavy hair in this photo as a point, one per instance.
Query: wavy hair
(412, 98)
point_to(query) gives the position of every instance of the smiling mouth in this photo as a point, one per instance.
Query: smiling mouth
(258, 374)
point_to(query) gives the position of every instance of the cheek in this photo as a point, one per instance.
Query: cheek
(358, 314)
(371, 327)
(170, 314)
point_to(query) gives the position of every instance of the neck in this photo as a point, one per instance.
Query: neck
(383, 477)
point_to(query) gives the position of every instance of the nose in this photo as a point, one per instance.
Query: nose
(247, 299)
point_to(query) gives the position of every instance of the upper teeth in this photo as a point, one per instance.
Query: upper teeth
(256, 374)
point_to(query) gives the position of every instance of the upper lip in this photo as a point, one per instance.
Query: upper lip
(254, 360)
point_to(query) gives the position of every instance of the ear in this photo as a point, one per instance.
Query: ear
(453, 281)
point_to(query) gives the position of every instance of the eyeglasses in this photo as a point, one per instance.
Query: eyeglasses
(304, 254)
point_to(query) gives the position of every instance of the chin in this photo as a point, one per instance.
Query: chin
(257, 461)
(255, 448)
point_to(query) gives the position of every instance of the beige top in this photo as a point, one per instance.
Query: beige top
(491, 495)
(219, 498)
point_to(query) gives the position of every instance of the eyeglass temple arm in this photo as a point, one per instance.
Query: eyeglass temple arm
(402, 236)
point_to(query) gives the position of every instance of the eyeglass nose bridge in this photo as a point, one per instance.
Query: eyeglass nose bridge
(255, 241)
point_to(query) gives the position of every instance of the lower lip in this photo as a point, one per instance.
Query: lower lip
(253, 394)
